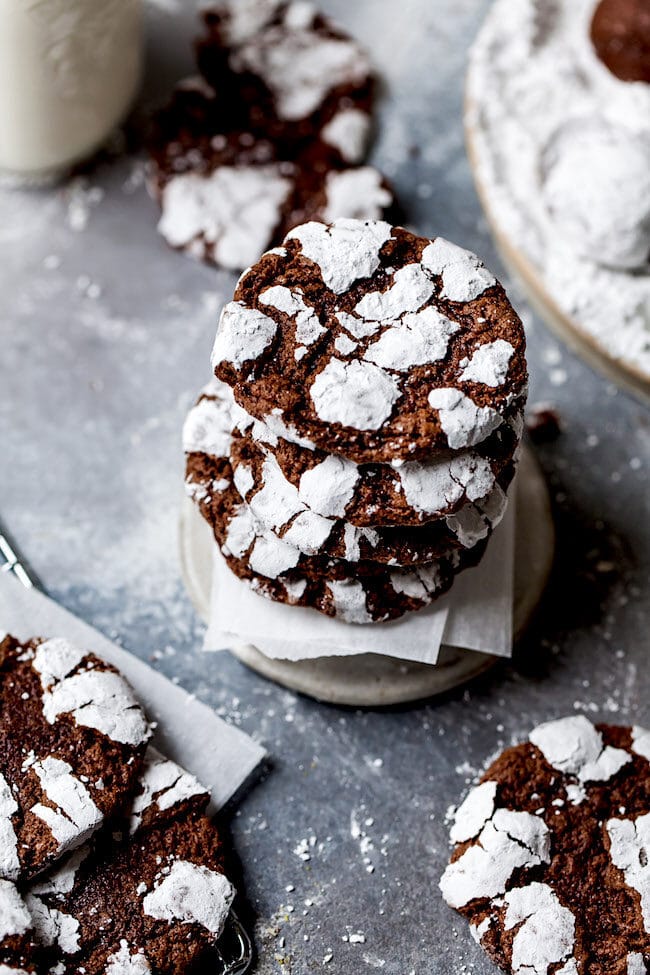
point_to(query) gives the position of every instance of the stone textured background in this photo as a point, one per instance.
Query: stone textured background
(105, 336)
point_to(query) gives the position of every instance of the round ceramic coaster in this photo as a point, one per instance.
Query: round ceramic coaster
(371, 680)
(582, 263)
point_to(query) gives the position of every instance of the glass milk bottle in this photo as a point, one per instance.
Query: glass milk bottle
(69, 70)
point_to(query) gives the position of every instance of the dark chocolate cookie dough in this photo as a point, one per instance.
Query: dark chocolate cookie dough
(551, 863)
(72, 737)
(366, 341)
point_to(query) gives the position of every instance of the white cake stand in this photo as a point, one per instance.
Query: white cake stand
(370, 680)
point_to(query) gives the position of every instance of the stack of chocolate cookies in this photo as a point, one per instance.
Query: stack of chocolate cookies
(108, 862)
(354, 451)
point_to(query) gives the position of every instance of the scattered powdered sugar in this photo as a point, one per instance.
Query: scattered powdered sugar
(9, 862)
(464, 277)
(345, 252)
(489, 364)
(308, 327)
(228, 216)
(164, 784)
(349, 599)
(630, 852)
(508, 841)
(243, 335)
(299, 65)
(561, 150)
(472, 815)
(127, 961)
(61, 879)
(463, 422)
(348, 131)
(575, 748)
(546, 929)
(191, 894)
(355, 193)
(74, 816)
(344, 344)
(15, 919)
(354, 394)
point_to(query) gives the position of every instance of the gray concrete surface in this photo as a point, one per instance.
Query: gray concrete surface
(105, 337)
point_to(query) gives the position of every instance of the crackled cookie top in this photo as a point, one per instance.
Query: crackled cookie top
(152, 897)
(72, 736)
(373, 343)
(318, 525)
(19, 951)
(551, 863)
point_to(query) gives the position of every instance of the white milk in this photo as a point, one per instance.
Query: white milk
(69, 70)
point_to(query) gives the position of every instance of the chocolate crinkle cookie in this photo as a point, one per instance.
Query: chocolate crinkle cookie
(270, 134)
(150, 895)
(551, 858)
(355, 450)
(72, 738)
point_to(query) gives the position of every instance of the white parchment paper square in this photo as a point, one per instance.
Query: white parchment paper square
(189, 732)
(476, 615)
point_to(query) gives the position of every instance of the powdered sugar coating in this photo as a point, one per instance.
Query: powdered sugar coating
(308, 327)
(299, 65)
(635, 964)
(345, 252)
(228, 216)
(9, 862)
(207, 430)
(416, 339)
(355, 394)
(328, 487)
(73, 816)
(641, 741)
(630, 852)
(463, 422)
(127, 961)
(98, 699)
(409, 290)
(574, 747)
(464, 276)
(191, 894)
(430, 488)
(243, 335)
(359, 193)
(53, 927)
(349, 599)
(472, 815)
(348, 131)
(508, 841)
(15, 918)
(489, 364)
(545, 933)
(163, 784)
